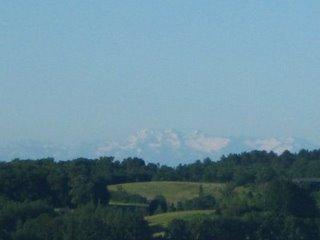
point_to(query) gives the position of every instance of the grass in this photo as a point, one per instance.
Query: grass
(172, 191)
(164, 219)
(114, 203)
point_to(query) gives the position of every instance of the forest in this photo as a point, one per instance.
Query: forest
(252, 195)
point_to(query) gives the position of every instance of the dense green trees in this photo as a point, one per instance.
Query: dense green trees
(14, 214)
(284, 197)
(202, 202)
(36, 221)
(100, 223)
(178, 230)
(222, 228)
(158, 205)
(206, 228)
(63, 200)
(58, 182)
(50, 200)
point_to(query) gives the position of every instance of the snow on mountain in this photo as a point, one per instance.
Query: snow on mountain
(165, 146)
(162, 146)
(171, 147)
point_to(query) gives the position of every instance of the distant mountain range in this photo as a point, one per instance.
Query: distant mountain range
(162, 146)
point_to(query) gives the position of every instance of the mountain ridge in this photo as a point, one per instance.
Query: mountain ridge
(161, 146)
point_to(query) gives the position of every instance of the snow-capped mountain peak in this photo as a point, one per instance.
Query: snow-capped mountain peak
(164, 146)
(170, 147)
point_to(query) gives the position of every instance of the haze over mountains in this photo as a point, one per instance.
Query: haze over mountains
(163, 146)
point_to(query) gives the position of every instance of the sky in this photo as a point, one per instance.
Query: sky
(73, 71)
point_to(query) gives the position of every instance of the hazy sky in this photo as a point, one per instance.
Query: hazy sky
(80, 70)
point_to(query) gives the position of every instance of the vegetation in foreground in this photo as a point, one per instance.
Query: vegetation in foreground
(257, 195)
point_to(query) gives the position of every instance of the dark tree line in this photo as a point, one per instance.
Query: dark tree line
(72, 183)
(61, 200)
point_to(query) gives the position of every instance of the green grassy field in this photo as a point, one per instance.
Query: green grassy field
(114, 203)
(164, 219)
(172, 191)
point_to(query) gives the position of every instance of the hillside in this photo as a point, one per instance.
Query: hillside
(172, 191)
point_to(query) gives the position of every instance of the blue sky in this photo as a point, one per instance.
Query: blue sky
(75, 71)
